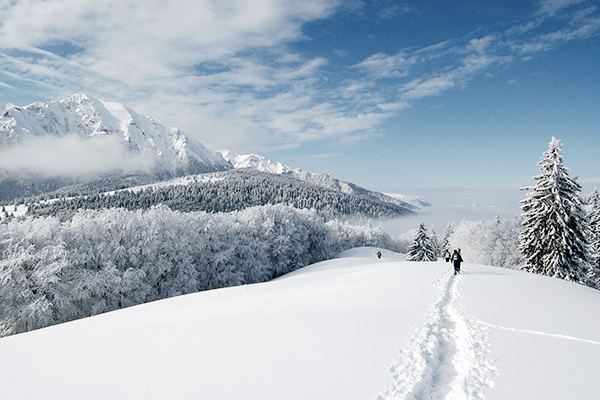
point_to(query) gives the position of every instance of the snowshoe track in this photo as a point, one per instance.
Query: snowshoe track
(448, 357)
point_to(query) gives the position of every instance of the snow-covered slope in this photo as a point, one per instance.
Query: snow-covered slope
(414, 200)
(351, 328)
(261, 163)
(87, 117)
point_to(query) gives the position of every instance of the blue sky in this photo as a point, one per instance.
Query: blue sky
(391, 95)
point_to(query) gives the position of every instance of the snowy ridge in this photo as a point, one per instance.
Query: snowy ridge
(414, 200)
(255, 161)
(261, 163)
(87, 117)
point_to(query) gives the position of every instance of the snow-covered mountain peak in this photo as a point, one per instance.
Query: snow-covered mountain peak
(256, 162)
(86, 117)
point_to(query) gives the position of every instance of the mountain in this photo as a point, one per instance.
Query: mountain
(146, 152)
(261, 163)
(352, 328)
(163, 150)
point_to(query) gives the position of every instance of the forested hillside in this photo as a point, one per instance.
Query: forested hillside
(225, 192)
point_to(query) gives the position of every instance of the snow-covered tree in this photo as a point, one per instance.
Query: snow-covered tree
(422, 248)
(435, 241)
(446, 240)
(594, 235)
(54, 271)
(488, 242)
(553, 240)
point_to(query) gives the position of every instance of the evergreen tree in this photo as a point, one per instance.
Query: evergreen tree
(553, 239)
(422, 249)
(594, 235)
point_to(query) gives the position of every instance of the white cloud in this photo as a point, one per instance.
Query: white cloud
(551, 7)
(381, 65)
(581, 25)
(473, 60)
(70, 156)
(434, 86)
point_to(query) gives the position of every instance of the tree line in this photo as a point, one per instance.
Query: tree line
(226, 192)
(53, 271)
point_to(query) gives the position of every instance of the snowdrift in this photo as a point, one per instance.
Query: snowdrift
(355, 327)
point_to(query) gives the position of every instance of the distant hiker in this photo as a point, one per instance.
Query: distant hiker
(378, 254)
(447, 255)
(456, 259)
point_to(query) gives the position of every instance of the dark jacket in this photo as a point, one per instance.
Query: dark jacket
(456, 259)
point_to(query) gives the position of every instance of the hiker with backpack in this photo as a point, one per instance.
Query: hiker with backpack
(456, 260)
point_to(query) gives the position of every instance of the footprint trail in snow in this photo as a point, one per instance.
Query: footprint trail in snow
(448, 357)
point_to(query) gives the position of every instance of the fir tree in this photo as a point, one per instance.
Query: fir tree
(422, 248)
(594, 235)
(553, 239)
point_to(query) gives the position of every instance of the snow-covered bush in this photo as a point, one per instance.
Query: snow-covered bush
(53, 271)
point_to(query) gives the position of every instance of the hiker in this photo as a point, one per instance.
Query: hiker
(447, 255)
(378, 254)
(456, 259)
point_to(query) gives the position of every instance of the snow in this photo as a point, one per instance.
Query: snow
(120, 112)
(355, 327)
(178, 181)
(255, 161)
(415, 201)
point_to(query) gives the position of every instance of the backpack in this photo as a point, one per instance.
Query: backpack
(455, 256)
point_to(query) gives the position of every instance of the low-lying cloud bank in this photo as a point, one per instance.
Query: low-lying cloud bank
(72, 156)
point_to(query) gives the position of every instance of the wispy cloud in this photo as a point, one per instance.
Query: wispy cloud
(382, 65)
(452, 64)
(551, 7)
(324, 155)
(580, 24)
(393, 10)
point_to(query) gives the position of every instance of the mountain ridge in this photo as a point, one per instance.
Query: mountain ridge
(261, 163)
